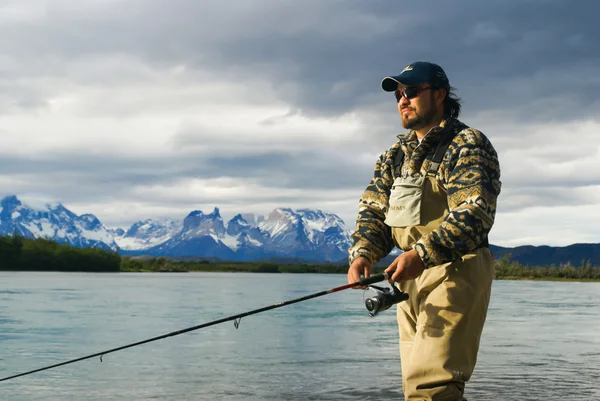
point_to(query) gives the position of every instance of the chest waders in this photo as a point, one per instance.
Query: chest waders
(440, 324)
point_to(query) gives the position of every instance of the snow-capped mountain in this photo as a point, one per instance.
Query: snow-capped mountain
(53, 221)
(145, 234)
(284, 233)
(201, 235)
(306, 234)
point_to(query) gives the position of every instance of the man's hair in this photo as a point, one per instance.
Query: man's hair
(452, 104)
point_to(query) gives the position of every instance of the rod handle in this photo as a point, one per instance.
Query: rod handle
(374, 279)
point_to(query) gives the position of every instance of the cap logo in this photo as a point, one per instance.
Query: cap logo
(407, 68)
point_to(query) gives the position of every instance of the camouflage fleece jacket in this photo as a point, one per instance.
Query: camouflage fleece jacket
(470, 172)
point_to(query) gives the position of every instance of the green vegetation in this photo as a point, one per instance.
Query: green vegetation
(23, 254)
(507, 270)
(162, 264)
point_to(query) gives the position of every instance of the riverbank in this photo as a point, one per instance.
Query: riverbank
(505, 270)
(24, 254)
(504, 278)
(583, 280)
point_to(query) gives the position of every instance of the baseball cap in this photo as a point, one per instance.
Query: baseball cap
(417, 73)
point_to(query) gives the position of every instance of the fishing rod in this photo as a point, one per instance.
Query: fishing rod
(380, 302)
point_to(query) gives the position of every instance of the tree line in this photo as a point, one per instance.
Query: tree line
(19, 253)
(162, 264)
(505, 268)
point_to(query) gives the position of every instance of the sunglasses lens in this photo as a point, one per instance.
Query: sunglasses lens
(411, 91)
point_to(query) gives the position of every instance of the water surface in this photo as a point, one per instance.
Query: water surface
(540, 342)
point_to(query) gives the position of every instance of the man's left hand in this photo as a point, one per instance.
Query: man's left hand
(406, 266)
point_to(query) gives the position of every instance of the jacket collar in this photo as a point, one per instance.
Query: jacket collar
(409, 141)
(432, 136)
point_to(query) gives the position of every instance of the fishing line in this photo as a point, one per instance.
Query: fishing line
(236, 318)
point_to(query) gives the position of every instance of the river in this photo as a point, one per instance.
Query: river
(541, 340)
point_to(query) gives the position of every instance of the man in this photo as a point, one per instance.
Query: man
(438, 209)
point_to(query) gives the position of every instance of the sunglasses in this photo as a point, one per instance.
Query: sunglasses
(410, 92)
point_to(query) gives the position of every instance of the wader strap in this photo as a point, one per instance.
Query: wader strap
(440, 151)
(436, 159)
(484, 244)
(398, 160)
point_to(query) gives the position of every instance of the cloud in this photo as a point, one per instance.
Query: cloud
(322, 57)
(138, 109)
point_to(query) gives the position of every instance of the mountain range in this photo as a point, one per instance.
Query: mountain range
(304, 234)
(283, 235)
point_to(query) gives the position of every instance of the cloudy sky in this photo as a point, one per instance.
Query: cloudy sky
(150, 108)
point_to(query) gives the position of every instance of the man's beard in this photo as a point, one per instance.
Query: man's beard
(420, 120)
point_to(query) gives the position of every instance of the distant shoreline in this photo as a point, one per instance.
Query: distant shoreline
(249, 267)
(292, 271)
(18, 253)
(583, 280)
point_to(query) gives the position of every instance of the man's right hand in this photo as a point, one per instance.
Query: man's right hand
(360, 265)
